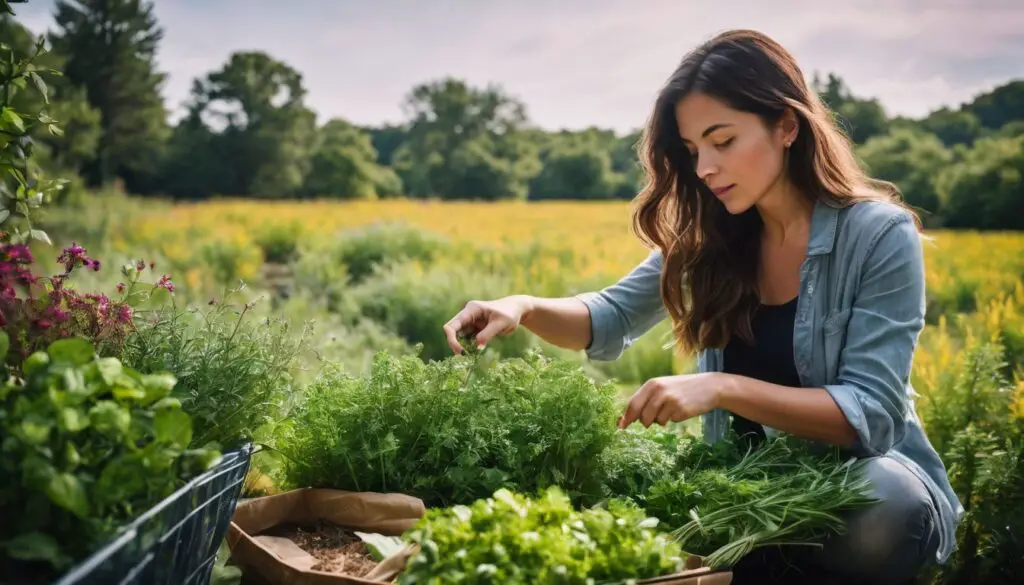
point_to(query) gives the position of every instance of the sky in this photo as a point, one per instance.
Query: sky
(580, 63)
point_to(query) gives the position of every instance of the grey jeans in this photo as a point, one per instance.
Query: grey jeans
(892, 541)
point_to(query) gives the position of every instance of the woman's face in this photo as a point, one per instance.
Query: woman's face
(734, 153)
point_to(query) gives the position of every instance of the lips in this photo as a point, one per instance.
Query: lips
(719, 191)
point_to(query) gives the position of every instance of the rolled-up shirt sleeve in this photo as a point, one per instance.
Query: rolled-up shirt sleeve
(624, 311)
(886, 318)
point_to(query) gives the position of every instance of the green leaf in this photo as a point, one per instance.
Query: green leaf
(74, 351)
(109, 369)
(35, 429)
(5, 341)
(41, 236)
(158, 386)
(173, 427)
(35, 363)
(55, 130)
(40, 86)
(34, 546)
(67, 491)
(110, 419)
(11, 119)
(380, 546)
(72, 420)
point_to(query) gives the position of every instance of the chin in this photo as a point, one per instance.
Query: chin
(737, 207)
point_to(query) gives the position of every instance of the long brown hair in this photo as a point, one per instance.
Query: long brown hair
(709, 274)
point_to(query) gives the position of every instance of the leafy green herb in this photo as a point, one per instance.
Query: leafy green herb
(511, 538)
(88, 445)
(777, 494)
(455, 430)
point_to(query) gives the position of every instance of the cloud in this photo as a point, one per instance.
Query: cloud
(577, 63)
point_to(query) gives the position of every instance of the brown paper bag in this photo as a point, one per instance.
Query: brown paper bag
(279, 561)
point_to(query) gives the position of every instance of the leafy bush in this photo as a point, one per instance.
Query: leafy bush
(451, 431)
(88, 444)
(279, 241)
(362, 250)
(511, 538)
(415, 303)
(234, 372)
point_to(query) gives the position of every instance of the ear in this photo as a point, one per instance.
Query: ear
(788, 128)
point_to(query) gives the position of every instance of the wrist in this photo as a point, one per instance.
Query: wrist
(527, 305)
(728, 391)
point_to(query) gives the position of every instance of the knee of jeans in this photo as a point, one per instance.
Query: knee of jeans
(888, 539)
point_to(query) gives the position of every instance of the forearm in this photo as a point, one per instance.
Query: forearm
(563, 322)
(810, 413)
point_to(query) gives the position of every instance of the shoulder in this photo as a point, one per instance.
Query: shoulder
(865, 225)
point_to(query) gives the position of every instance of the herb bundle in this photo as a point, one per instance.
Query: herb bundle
(511, 538)
(775, 495)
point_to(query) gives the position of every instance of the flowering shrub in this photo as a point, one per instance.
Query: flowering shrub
(48, 309)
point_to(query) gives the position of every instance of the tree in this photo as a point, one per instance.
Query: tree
(344, 165)
(1001, 105)
(465, 142)
(860, 118)
(249, 117)
(576, 171)
(911, 159)
(986, 189)
(953, 126)
(110, 50)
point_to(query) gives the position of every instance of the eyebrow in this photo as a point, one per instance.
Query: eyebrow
(711, 129)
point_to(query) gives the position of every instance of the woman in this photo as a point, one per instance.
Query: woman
(797, 280)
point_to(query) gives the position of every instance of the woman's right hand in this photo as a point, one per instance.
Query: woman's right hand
(487, 319)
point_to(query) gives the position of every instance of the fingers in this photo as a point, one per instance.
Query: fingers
(494, 327)
(637, 404)
(461, 320)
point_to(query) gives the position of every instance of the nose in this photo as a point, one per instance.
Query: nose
(705, 165)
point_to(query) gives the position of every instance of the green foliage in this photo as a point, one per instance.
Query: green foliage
(88, 444)
(415, 303)
(364, 250)
(983, 451)
(576, 171)
(453, 431)
(912, 160)
(778, 493)
(279, 241)
(250, 117)
(344, 165)
(986, 189)
(464, 142)
(860, 118)
(235, 373)
(110, 48)
(22, 187)
(512, 538)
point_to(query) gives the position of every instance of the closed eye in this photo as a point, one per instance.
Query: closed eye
(725, 144)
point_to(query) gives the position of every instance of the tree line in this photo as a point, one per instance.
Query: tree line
(247, 131)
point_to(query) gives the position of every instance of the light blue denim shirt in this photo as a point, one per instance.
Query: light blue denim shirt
(860, 311)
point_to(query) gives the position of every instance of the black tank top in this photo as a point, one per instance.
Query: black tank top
(769, 359)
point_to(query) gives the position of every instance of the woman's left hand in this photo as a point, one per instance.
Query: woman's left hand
(674, 398)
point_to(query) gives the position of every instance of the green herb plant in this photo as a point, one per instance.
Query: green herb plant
(88, 444)
(452, 431)
(778, 494)
(512, 538)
